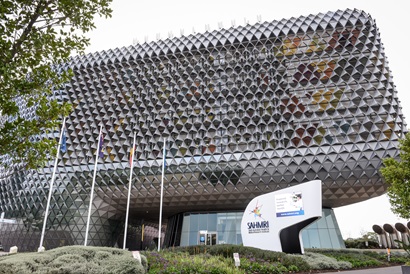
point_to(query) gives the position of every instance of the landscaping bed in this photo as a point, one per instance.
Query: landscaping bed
(193, 259)
(73, 259)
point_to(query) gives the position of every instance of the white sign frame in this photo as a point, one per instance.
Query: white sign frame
(269, 215)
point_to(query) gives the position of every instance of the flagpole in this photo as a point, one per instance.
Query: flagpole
(162, 193)
(129, 192)
(92, 187)
(41, 248)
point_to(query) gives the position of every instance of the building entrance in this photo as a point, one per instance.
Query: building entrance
(207, 237)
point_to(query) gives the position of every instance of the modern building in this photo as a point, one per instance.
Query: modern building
(244, 111)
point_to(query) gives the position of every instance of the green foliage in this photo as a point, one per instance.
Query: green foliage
(397, 176)
(253, 260)
(369, 236)
(227, 251)
(357, 258)
(320, 262)
(35, 37)
(395, 258)
(405, 246)
(361, 243)
(73, 259)
(144, 262)
(252, 265)
(367, 240)
(204, 259)
(181, 262)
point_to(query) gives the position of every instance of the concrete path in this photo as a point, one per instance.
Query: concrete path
(383, 270)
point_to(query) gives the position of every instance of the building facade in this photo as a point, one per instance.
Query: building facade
(244, 111)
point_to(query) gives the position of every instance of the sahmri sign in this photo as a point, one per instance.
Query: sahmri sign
(274, 221)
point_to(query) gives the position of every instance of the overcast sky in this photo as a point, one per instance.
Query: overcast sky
(141, 20)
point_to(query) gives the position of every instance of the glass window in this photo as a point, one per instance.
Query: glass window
(325, 241)
(336, 239)
(312, 226)
(321, 234)
(305, 238)
(194, 222)
(314, 238)
(212, 222)
(321, 223)
(330, 221)
(238, 221)
(184, 238)
(203, 222)
(185, 223)
(221, 223)
(238, 238)
(193, 238)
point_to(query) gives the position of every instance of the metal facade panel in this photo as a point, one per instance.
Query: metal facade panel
(246, 110)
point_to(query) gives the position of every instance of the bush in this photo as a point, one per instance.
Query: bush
(179, 262)
(320, 262)
(361, 243)
(227, 250)
(357, 258)
(256, 266)
(73, 259)
(253, 260)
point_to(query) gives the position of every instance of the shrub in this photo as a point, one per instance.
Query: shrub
(357, 258)
(72, 259)
(227, 250)
(144, 263)
(396, 257)
(255, 266)
(361, 243)
(179, 262)
(319, 261)
(253, 260)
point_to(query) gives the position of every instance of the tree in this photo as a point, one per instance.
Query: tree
(37, 38)
(367, 240)
(369, 236)
(397, 176)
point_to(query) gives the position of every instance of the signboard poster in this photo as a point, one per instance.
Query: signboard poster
(289, 209)
(289, 204)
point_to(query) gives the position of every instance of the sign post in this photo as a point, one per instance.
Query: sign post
(236, 259)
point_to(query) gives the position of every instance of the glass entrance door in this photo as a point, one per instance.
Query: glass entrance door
(207, 237)
(211, 238)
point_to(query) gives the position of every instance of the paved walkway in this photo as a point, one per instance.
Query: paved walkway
(383, 270)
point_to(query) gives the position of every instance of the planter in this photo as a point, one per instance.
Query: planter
(405, 269)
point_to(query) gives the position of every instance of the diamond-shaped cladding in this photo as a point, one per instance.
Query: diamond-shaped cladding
(245, 111)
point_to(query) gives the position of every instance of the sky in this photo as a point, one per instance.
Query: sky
(146, 20)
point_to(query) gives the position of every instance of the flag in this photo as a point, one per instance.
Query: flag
(63, 146)
(131, 152)
(101, 148)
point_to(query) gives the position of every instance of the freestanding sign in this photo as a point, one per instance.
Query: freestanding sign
(274, 221)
